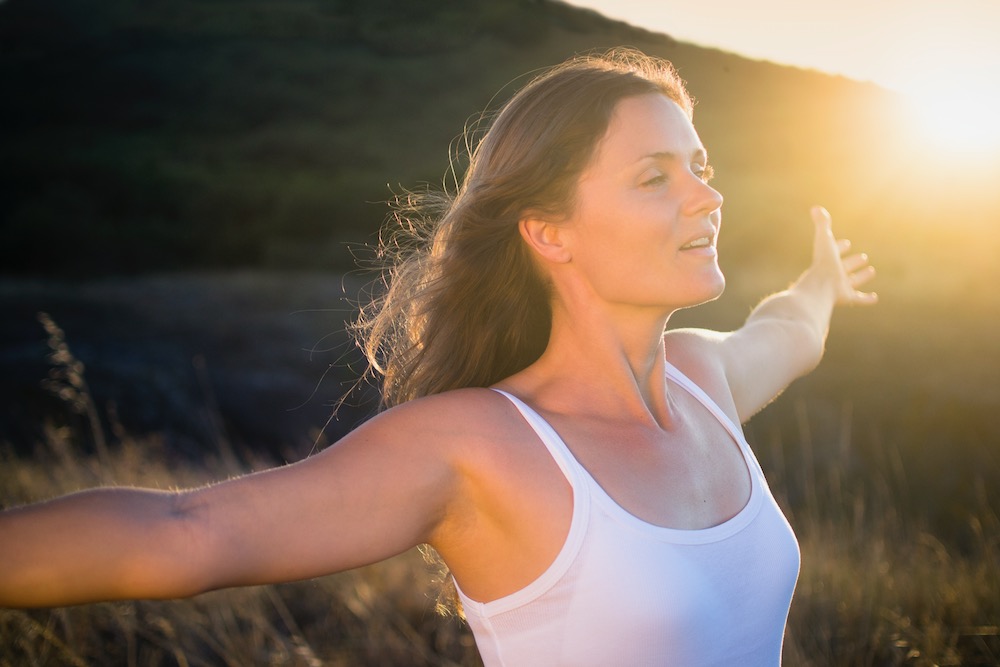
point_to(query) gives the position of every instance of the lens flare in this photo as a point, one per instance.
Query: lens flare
(960, 116)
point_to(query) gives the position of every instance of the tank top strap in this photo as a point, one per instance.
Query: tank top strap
(571, 468)
(688, 384)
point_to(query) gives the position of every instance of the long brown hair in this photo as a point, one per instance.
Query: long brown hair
(464, 305)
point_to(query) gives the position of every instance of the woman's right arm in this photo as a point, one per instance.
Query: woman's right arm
(97, 544)
(384, 488)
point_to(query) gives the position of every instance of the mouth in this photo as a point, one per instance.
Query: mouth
(700, 242)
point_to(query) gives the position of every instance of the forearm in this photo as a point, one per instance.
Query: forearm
(831, 279)
(807, 304)
(94, 545)
(785, 335)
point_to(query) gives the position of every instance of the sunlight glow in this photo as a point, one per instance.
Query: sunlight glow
(943, 55)
(962, 117)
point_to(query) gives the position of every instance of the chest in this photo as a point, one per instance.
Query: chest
(698, 603)
(626, 592)
(521, 504)
(693, 475)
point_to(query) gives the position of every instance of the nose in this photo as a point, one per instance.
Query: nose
(704, 199)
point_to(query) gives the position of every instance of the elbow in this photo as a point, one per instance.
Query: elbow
(807, 346)
(193, 545)
(176, 568)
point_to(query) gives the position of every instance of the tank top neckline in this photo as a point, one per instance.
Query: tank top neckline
(582, 481)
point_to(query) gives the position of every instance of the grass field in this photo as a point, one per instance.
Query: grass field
(880, 585)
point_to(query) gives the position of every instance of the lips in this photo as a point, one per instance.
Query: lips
(700, 242)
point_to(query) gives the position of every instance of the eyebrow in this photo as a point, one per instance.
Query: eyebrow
(669, 155)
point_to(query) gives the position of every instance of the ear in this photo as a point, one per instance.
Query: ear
(546, 238)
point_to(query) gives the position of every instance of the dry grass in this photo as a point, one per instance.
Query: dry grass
(880, 583)
(380, 615)
(876, 588)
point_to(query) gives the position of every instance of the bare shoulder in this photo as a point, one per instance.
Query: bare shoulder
(699, 354)
(696, 352)
(449, 423)
(495, 467)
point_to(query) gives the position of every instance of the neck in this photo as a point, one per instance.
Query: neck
(609, 360)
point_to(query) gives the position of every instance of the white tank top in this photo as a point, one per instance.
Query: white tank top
(623, 591)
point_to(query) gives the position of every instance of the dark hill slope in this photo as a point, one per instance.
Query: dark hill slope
(216, 133)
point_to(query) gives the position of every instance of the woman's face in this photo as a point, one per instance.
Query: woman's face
(645, 222)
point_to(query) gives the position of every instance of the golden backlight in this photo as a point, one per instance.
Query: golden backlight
(959, 116)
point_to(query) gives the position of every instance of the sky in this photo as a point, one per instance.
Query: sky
(890, 42)
(944, 54)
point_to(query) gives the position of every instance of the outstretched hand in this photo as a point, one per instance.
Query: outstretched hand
(831, 261)
(785, 335)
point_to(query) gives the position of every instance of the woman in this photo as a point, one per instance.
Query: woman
(581, 473)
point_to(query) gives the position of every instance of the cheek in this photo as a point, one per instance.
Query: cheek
(620, 227)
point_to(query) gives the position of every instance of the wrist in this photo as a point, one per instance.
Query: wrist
(817, 284)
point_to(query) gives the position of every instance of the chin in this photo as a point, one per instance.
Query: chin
(714, 290)
(720, 287)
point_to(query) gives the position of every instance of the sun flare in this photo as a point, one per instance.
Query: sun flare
(959, 116)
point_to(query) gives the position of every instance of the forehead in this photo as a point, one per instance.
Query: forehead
(645, 125)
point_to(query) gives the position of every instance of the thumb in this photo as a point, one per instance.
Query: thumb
(821, 217)
(823, 239)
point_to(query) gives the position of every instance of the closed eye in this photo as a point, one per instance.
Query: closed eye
(705, 173)
(654, 181)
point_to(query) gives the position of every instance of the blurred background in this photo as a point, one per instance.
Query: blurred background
(186, 181)
(189, 187)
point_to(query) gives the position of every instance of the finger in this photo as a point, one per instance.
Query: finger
(864, 298)
(821, 217)
(853, 263)
(859, 278)
(843, 245)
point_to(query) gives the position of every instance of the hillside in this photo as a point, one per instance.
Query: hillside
(215, 133)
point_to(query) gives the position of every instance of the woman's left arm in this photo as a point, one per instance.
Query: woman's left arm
(784, 336)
